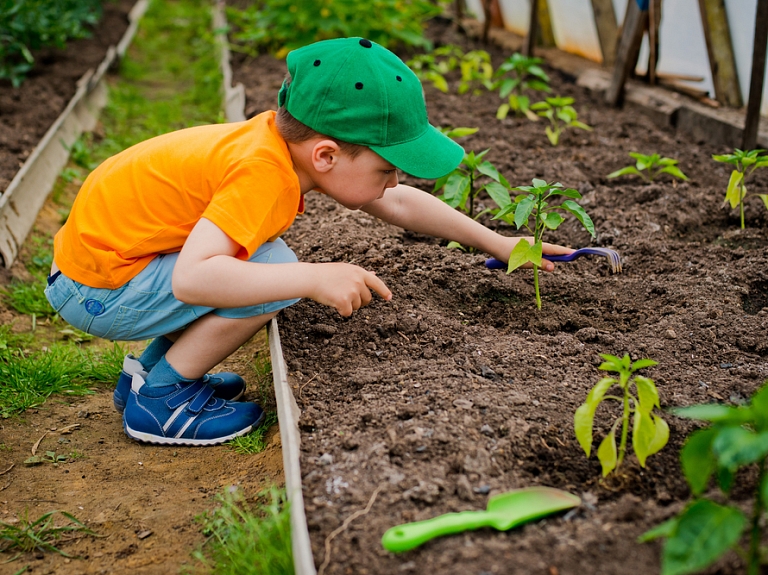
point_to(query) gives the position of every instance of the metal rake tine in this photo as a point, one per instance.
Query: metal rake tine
(614, 259)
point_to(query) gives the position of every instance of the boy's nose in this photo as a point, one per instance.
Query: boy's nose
(393, 181)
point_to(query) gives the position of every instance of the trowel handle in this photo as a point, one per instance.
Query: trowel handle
(410, 535)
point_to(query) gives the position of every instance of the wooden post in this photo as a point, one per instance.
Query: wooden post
(758, 76)
(546, 36)
(533, 21)
(629, 48)
(607, 29)
(721, 60)
(654, 20)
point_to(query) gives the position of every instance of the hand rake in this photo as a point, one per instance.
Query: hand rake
(614, 260)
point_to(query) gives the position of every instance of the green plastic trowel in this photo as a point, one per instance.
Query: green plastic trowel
(505, 511)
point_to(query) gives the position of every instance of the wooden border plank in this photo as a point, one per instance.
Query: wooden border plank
(722, 62)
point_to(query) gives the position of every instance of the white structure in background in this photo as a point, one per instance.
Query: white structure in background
(682, 47)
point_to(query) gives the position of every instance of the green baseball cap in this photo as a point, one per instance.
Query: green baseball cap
(360, 92)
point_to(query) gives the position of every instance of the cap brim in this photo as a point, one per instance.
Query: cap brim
(430, 156)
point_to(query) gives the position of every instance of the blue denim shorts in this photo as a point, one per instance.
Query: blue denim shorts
(145, 308)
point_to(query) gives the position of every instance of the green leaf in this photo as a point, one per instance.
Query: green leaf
(674, 171)
(666, 529)
(534, 254)
(524, 209)
(662, 435)
(736, 446)
(705, 530)
(461, 132)
(764, 491)
(725, 478)
(580, 215)
(553, 220)
(759, 408)
(499, 194)
(733, 194)
(539, 183)
(455, 246)
(726, 158)
(606, 453)
(488, 169)
(647, 394)
(714, 413)
(554, 137)
(764, 197)
(584, 416)
(502, 112)
(519, 255)
(642, 364)
(629, 170)
(456, 190)
(697, 460)
(643, 432)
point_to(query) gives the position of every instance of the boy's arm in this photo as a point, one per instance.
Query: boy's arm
(207, 273)
(416, 210)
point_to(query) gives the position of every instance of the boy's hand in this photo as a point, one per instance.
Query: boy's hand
(347, 287)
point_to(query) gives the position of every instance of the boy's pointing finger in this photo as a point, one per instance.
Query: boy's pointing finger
(373, 282)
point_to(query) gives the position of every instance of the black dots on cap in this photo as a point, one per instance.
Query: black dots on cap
(365, 43)
(359, 85)
(399, 79)
(317, 62)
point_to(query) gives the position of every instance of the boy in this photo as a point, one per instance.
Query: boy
(176, 237)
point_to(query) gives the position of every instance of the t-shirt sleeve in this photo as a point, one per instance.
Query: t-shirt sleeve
(253, 202)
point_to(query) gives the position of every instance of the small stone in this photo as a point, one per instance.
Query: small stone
(463, 403)
(486, 430)
(670, 334)
(482, 490)
(726, 365)
(464, 489)
(325, 459)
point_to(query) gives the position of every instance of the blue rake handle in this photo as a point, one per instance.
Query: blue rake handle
(613, 257)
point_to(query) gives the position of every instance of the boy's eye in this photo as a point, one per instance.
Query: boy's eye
(389, 171)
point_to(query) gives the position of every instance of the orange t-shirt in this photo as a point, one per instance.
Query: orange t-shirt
(145, 200)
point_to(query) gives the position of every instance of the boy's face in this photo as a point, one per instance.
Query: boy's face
(356, 182)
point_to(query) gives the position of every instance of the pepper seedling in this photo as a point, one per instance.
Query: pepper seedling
(532, 203)
(705, 530)
(433, 66)
(476, 71)
(650, 167)
(517, 74)
(561, 114)
(649, 431)
(460, 187)
(745, 164)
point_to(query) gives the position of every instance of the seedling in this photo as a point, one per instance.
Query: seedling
(516, 75)
(460, 187)
(48, 457)
(650, 167)
(254, 442)
(433, 66)
(532, 203)
(561, 115)
(705, 530)
(476, 71)
(454, 133)
(649, 431)
(745, 164)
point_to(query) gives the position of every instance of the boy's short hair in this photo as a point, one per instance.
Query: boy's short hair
(295, 132)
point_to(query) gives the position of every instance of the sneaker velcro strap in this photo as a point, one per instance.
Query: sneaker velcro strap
(185, 394)
(201, 399)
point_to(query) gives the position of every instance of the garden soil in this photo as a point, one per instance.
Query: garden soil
(141, 500)
(459, 388)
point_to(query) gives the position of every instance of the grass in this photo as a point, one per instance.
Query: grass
(26, 535)
(255, 441)
(30, 377)
(245, 538)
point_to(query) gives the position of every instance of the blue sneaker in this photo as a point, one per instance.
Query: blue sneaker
(185, 414)
(228, 385)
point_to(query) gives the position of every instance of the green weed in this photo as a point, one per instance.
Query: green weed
(25, 535)
(650, 167)
(561, 115)
(244, 538)
(255, 441)
(744, 164)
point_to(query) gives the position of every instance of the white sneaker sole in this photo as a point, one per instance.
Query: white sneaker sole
(161, 440)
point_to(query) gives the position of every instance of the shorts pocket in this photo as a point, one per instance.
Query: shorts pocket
(59, 292)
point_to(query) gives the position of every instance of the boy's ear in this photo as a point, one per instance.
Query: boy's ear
(325, 155)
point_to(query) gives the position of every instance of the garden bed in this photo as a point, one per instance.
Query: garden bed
(459, 387)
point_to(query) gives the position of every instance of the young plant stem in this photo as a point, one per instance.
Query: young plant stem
(537, 232)
(624, 422)
(753, 567)
(536, 285)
